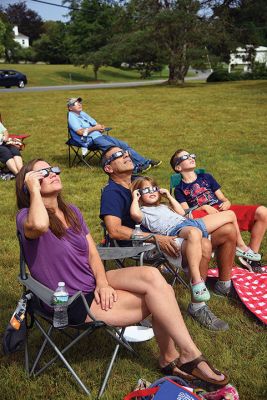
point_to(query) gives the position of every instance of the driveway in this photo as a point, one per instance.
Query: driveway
(200, 76)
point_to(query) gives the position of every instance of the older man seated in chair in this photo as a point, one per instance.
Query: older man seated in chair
(115, 211)
(85, 131)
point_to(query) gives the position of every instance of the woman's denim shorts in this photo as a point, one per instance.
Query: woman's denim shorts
(196, 223)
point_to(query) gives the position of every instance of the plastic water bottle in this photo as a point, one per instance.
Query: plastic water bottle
(60, 301)
(137, 234)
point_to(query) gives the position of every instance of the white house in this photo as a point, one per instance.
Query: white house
(241, 57)
(23, 40)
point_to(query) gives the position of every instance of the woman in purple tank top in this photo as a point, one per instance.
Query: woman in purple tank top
(58, 246)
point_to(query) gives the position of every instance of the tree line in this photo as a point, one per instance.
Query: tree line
(144, 34)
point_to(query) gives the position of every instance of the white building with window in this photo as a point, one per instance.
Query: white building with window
(241, 58)
(23, 40)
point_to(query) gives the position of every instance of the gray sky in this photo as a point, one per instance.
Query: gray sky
(46, 11)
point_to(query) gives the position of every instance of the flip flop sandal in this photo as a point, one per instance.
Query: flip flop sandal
(171, 369)
(192, 369)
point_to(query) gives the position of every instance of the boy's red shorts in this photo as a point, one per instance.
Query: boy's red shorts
(245, 215)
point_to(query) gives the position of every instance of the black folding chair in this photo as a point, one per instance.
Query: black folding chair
(40, 295)
(150, 254)
(78, 158)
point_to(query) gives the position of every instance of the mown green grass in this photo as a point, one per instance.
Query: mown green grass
(225, 125)
(55, 75)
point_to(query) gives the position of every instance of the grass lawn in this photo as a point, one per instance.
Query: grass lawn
(55, 75)
(225, 125)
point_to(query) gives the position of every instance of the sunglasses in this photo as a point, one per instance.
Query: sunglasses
(46, 171)
(116, 155)
(76, 103)
(178, 160)
(147, 190)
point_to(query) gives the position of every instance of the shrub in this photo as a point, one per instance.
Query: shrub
(222, 75)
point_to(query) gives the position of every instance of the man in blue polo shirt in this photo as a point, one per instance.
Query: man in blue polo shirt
(85, 131)
(116, 200)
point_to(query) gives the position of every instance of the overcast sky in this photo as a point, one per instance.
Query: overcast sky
(46, 11)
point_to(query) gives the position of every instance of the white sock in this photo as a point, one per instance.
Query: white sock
(226, 284)
(84, 151)
(196, 306)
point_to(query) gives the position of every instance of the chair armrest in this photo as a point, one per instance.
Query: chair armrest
(22, 137)
(107, 129)
(145, 238)
(43, 292)
(115, 253)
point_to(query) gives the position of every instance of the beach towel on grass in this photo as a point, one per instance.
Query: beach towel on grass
(251, 288)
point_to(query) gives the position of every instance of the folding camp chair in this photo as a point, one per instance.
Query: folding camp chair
(150, 254)
(4, 171)
(176, 178)
(79, 158)
(43, 321)
(16, 136)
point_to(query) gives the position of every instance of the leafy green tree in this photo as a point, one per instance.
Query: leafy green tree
(28, 21)
(2, 34)
(236, 23)
(90, 28)
(176, 29)
(53, 44)
(11, 48)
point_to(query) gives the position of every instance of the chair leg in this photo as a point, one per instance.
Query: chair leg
(110, 366)
(60, 355)
(175, 273)
(26, 356)
(106, 378)
(37, 358)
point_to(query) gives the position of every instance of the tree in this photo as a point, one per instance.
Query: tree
(236, 23)
(53, 44)
(28, 21)
(90, 29)
(11, 48)
(176, 29)
(2, 35)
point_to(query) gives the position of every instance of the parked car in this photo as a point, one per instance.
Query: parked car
(9, 77)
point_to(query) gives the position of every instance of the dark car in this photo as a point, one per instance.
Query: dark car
(9, 77)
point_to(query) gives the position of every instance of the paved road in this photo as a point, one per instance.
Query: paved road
(200, 76)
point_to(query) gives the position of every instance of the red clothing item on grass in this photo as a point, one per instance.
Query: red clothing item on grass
(245, 215)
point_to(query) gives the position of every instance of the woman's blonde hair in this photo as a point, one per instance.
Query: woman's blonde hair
(138, 183)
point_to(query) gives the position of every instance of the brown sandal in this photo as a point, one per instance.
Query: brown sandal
(190, 371)
(191, 368)
(171, 369)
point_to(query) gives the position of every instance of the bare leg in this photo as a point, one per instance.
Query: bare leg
(141, 291)
(224, 242)
(11, 165)
(215, 221)
(193, 251)
(206, 256)
(18, 162)
(258, 229)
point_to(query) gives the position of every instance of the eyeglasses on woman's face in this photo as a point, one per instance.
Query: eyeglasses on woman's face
(46, 171)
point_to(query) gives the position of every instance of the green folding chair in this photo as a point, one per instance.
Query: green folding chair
(176, 178)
